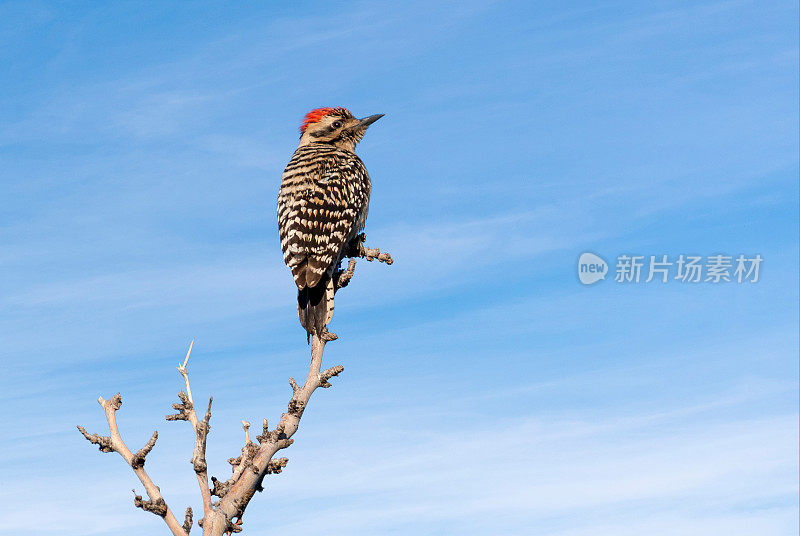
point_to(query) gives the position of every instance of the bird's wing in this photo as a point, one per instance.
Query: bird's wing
(318, 212)
(337, 203)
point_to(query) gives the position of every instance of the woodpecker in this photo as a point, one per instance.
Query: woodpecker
(322, 206)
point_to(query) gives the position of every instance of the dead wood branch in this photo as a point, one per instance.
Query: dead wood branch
(186, 412)
(256, 461)
(224, 517)
(113, 443)
(249, 469)
(358, 249)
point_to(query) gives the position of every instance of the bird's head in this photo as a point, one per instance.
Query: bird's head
(336, 126)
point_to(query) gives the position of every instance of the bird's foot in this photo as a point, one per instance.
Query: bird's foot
(341, 278)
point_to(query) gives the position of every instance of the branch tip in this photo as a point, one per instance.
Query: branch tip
(157, 506)
(104, 442)
(139, 458)
(191, 344)
(220, 489)
(187, 524)
(371, 254)
(276, 466)
(327, 374)
(184, 408)
(264, 432)
(115, 402)
(329, 336)
(207, 416)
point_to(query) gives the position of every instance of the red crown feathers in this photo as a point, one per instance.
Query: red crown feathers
(315, 116)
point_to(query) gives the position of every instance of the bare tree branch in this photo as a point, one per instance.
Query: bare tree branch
(327, 374)
(138, 458)
(113, 443)
(236, 493)
(103, 441)
(294, 386)
(370, 253)
(187, 523)
(156, 506)
(186, 412)
(224, 517)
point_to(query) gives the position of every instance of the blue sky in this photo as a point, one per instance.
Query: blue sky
(486, 390)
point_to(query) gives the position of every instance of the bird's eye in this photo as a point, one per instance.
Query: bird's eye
(337, 124)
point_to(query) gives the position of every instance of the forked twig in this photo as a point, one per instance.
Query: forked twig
(224, 517)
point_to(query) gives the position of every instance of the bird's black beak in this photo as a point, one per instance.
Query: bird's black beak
(367, 121)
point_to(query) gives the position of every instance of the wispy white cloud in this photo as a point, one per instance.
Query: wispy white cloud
(523, 475)
(140, 213)
(564, 474)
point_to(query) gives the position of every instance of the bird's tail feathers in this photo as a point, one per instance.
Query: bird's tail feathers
(315, 306)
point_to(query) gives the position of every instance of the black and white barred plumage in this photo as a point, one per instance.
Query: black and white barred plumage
(322, 206)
